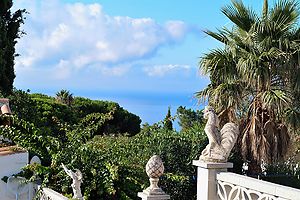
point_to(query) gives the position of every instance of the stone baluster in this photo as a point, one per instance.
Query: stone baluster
(154, 170)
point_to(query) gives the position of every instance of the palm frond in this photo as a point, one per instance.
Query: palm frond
(292, 117)
(220, 35)
(219, 64)
(285, 13)
(240, 15)
(265, 10)
(204, 94)
(252, 70)
(276, 99)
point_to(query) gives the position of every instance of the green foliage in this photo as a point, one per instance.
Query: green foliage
(189, 119)
(45, 112)
(122, 122)
(23, 106)
(255, 77)
(26, 135)
(65, 97)
(9, 33)
(130, 155)
(286, 173)
(112, 167)
(82, 137)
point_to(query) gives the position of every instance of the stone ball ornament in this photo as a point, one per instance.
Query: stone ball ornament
(155, 167)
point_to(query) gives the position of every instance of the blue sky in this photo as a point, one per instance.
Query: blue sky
(142, 54)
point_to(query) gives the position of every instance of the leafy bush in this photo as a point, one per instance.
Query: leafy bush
(44, 112)
(93, 136)
(285, 173)
(123, 121)
(112, 167)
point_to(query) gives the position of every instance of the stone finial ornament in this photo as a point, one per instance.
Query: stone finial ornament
(154, 169)
(4, 106)
(77, 180)
(35, 159)
(5, 111)
(220, 142)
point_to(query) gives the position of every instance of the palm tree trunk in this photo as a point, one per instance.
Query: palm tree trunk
(253, 168)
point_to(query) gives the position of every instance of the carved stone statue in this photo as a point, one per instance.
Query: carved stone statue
(77, 180)
(220, 142)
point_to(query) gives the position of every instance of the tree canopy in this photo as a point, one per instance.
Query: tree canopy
(9, 33)
(255, 76)
(168, 124)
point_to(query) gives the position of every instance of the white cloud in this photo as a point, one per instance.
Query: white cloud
(162, 70)
(58, 36)
(114, 71)
(83, 35)
(62, 70)
(176, 29)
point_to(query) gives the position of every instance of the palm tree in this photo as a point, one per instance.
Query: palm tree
(255, 77)
(65, 97)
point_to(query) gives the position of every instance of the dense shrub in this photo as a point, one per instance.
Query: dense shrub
(285, 173)
(113, 167)
(44, 112)
(100, 138)
(123, 121)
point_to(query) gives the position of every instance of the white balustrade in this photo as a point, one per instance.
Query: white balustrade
(215, 183)
(49, 194)
(231, 186)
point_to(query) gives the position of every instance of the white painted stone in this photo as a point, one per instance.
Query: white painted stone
(287, 192)
(76, 182)
(53, 195)
(212, 165)
(35, 159)
(206, 178)
(9, 165)
(145, 196)
(261, 187)
(154, 169)
(220, 142)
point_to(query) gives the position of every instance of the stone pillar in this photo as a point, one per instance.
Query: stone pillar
(206, 178)
(154, 170)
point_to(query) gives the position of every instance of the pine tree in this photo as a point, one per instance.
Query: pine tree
(168, 125)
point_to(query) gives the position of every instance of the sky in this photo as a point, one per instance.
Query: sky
(142, 54)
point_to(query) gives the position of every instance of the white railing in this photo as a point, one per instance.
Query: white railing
(215, 183)
(49, 194)
(232, 186)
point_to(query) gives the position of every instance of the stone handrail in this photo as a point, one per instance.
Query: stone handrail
(49, 194)
(234, 186)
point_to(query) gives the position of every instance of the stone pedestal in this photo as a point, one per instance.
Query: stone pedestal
(146, 196)
(206, 178)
